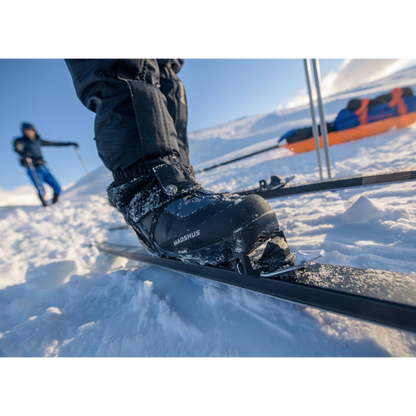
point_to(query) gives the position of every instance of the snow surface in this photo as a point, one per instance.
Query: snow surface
(61, 297)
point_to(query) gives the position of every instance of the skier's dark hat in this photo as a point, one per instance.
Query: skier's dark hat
(28, 126)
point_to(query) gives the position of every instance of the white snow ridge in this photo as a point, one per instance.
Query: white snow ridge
(60, 297)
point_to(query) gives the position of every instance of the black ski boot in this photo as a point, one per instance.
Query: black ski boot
(191, 223)
(55, 198)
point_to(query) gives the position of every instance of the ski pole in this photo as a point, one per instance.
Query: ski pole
(86, 170)
(237, 159)
(37, 181)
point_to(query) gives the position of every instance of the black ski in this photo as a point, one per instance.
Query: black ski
(376, 296)
(392, 176)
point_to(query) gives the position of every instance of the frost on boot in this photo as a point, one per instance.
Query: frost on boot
(180, 219)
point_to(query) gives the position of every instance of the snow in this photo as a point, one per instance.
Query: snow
(60, 297)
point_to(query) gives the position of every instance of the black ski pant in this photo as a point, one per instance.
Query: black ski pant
(141, 115)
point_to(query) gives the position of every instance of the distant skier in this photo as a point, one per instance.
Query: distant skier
(29, 149)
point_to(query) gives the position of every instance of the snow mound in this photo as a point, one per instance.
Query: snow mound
(361, 211)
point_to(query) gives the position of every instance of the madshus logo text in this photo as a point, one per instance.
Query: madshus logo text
(194, 234)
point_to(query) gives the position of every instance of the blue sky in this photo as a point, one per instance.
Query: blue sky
(40, 91)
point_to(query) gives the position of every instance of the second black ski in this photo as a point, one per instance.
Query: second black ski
(391, 176)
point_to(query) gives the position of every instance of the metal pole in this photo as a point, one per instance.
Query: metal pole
(86, 170)
(314, 126)
(37, 181)
(324, 131)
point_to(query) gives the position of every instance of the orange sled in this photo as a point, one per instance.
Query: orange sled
(337, 137)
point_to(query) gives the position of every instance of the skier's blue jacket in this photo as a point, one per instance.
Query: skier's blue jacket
(26, 147)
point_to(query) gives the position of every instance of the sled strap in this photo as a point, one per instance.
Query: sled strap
(362, 112)
(397, 100)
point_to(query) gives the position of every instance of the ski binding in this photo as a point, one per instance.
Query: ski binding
(243, 266)
(273, 258)
(275, 183)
